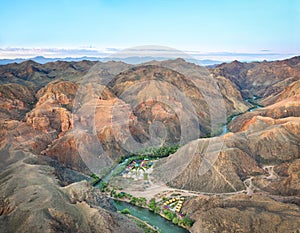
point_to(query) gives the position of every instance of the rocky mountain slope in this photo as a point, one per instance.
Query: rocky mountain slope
(260, 157)
(240, 213)
(49, 111)
(261, 78)
(33, 201)
(63, 120)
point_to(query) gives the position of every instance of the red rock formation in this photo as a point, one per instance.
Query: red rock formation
(52, 111)
(15, 101)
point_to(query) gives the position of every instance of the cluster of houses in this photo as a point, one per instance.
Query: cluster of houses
(139, 164)
(137, 169)
(179, 204)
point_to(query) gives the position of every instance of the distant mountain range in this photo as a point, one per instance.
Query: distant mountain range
(129, 60)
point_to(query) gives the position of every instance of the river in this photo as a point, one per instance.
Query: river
(146, 215)
(113, 172)
(151, 218)
(251, 101)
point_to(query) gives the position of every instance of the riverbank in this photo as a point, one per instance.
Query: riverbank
(149, 217)
(142, 224)
(158, 208)
(139, 204)
(254, 106)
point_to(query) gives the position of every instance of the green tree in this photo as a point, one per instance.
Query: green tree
(103, 186)
(152, 204)
(94, 176)
(133, 200)
(112, 192)
(168, 214)
(157, 210)
(175, 220)
(141, 201)
(121, 195)
(188, 221)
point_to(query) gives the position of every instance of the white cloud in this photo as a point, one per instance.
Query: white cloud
(141, 51)
(12, 53)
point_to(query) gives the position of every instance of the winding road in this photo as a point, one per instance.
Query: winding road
(250, 188)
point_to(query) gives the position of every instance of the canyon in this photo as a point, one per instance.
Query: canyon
(62, 121)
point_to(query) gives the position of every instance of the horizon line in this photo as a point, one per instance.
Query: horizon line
(15, 53)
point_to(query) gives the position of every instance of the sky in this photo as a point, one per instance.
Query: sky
(211, 28)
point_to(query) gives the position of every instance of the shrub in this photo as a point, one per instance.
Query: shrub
(187, 221)
(175, 220)
(94, 176)
(152, 204)
(112, 192)
(133, 200)
(157, 210)
(141, 201)
(103, 186)
(169, 216)
(125, 211)
(145, 176)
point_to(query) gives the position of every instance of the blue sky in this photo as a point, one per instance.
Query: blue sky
(244, 26)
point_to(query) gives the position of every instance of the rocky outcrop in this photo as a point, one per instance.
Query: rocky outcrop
(32, 201)
(240, 213)
(284, 182)
(266, 141)
(261, 78)
(15, 101)
(152, 93)
(289, 107)
(288, 91)
(65, 151)
(36, 76)
(219, 92)
(52, 111)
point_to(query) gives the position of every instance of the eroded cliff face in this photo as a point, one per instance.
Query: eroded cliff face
(52, 112)
(122, 102)
(242, 155)
(260, 155)
(15, 101)
(211, 86)
(267, 135)
(261, 78)
(42, 114)
(240, 213)
(33, 201)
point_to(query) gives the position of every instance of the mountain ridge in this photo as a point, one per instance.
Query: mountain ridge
(42, 103)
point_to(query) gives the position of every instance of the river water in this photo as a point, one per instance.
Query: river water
(151, 218)
(113, 172)
(225, 129)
